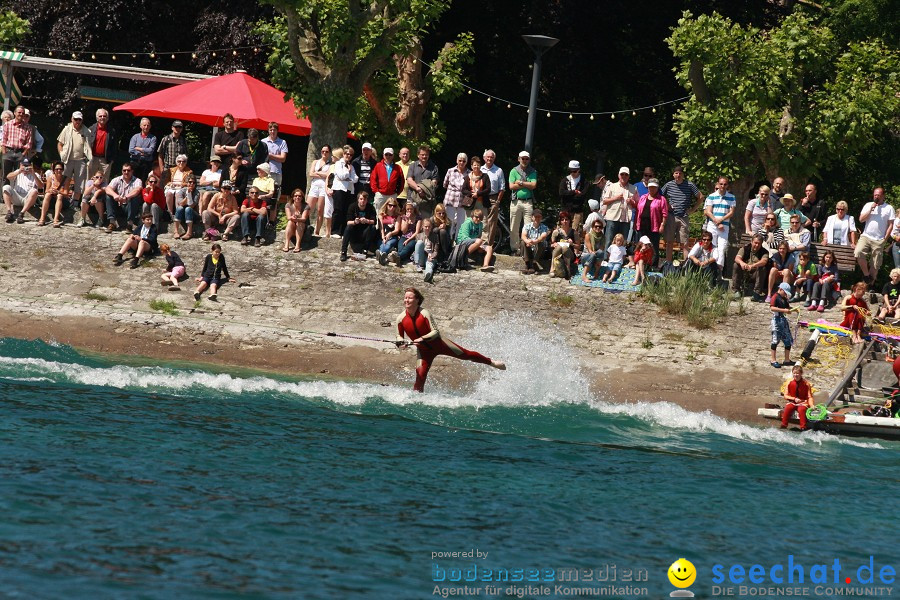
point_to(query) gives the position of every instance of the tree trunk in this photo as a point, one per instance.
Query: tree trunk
(326, 129)
(412, 98)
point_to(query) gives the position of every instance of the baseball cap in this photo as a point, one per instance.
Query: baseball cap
(644, 239)
(177, 124)
(77, 115)
(367, 145)
(654, 182)
(593, 204)
(574, 165)
(226, 184)
(785, 287)
(388, 151)
(26, 162)
(524, 154)
(625, 170)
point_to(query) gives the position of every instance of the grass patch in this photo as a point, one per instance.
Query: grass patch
(164, 306)
(690, 295)
(561, 300)
(41, 252)
(671, 336)
(96, 296)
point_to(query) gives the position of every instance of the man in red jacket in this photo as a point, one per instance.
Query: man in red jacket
(387, 179)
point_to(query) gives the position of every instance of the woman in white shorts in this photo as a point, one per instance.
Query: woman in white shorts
(318, 177)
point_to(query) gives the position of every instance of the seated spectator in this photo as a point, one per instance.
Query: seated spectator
(751, 263)
(176, 181)
(142, 241)
(388, 229)
(757, 210)
(186, 209)
(214, 274)
(410, 226)
(253, 216)
(840, 228)
(891, 298)
(805, 277)
(855, 309)
(209, 181)
(443, 226)
(94, 196)
(798, 397)
(562, 242)
(55, 191)
(154, 199)
(297, 211)
(615, 258)
(592, 255)
(594, 215)
(174, 268)
(827, 284)
(534, 243)
(222, 210)
(265, 184)
(470, 234)
(704, 257)
(360, 232)
(428, 250)
(782, 269)
(123, 194)
(22, 190)
(642, 260)
(798, 238)
(772, 233)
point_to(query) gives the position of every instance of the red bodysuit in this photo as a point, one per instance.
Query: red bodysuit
(421, 326)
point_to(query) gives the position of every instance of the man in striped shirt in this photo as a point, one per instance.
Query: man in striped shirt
(719, 208)
(681, 194)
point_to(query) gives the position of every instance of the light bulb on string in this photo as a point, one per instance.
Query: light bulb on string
(234, 52)
(548, 114)
(654, 109)
(74, 56)
(134, 56)
(173, 57)
(50, 53)
(193, 55)
(93, 57)
(508, 105)
(592, 117)
(214, 54)
(570, 116)
(634, 113)
(114, 57)
(488, 98)
(612, 115)
(470, 92)
(153, 55)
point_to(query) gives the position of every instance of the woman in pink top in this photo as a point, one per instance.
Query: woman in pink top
(652, 212)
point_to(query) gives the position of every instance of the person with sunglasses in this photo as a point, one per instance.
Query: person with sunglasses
(94, 197)
(125, 193)
(55, 191)
(592, 255)
(386, 180)
(772, 232)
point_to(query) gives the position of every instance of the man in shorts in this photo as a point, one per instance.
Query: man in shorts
(74, 146)
(879, 221)
(681, 194)
(22, 190)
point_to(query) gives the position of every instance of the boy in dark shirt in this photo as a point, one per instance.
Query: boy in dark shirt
(781, 329)
(360, 231)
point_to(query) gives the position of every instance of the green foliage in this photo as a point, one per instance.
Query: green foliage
(689, 295)
(96, 296)
(164, 306)
(13, 28)
(787, 101)
(561, 300)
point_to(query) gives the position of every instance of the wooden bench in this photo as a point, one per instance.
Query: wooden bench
(846, 262)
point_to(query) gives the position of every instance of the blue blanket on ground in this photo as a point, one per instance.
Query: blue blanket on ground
(621, 284)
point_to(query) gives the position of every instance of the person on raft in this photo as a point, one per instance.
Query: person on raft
(798, 397)
(416, 324)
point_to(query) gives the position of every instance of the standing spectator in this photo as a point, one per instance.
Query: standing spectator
(813, 210)
(319, 171)
(476, 189)
(652, 212)
(422, 177)
(879, 219)
(363, 165)
(341, 193)
(642, 189)
(719, 208)
(359, 233)
(278, 151)
(498, 189)
(154, 199)
(572, 190)
(103, 145)
(403, 163)
(226, 140)
(22, 190)
(123, 192)
(142, 150)
(840, 228)
(18, 141)
(522, 182)
(386, 180)
(5, 117)
(35, 155)
(751, 263)
(454, 180)
(74, 145)
(252, 153)
(253, 214)
(787, 210)
(681, 194)
(777, 193)
(170, 148)
(757, 209)
(619, 198)
(534, 242)
(780, 328)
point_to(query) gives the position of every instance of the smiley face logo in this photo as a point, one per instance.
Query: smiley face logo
(682, 573)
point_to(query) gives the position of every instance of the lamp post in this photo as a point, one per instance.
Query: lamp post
(539, 44)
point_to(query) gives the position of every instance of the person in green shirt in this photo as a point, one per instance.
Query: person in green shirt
(470, 233)
(522, 181)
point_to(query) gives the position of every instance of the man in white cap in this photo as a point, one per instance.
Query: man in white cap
(620, 198)
(387, 179)
(21, 190)
(522, 181)
(363, 165)
(571, 195)
(74, 146)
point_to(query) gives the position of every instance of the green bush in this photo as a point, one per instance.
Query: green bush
(690, 295)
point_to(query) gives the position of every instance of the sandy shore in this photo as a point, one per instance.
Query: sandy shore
(60, 284)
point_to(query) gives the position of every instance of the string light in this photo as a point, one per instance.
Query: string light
(592, 117)
(193, 55)
(93, 57)
(612, 115)
(114, 57)
(152, 55)
(489, 98)
(570, 116)
(173, 57)
(633, 113)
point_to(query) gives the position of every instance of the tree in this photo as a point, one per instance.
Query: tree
(789, 101)
(325, 53)
(13, 28)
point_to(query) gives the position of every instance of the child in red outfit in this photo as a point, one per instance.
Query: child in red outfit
(855, 309)
(798, 396)
(643, 258)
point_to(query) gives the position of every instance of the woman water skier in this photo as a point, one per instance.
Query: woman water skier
(416, 323)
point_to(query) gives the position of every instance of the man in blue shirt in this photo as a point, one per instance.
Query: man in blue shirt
(719, 208)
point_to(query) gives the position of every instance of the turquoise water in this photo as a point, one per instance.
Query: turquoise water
(153, 482)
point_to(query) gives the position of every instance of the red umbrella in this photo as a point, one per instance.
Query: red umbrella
(252, 102)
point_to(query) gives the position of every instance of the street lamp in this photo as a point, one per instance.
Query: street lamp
(539, 44)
